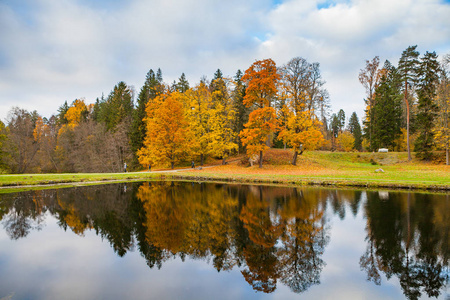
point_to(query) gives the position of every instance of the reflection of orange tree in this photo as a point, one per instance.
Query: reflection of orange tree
(167, 215)
(261, 271)
(70, 217)
(303, 242)
(185, 219)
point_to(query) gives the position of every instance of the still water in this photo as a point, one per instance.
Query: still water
(180, 240)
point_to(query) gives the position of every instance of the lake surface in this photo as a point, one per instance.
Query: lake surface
(180, 240)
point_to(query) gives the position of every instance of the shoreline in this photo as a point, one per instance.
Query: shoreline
(49, 181)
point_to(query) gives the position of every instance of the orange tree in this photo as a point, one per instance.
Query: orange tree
(261, 79)
(167, 139)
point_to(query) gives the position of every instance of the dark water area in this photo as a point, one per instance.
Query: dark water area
(182, 240)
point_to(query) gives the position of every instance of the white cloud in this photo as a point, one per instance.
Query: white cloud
(52, 51)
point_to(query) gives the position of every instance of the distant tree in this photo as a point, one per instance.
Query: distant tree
(3, 136)
(369, 78)
(355, 129)
(20, 145)
(261, 79)
(345, 141)
(427, 108)
(182, 85)
(341, 119)
(408, 69)
(242, 112)
(118, 107)
(62, 110)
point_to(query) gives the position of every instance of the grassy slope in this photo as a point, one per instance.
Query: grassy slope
(334, 168)
(353, 169)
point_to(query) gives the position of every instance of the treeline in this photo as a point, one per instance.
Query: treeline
(266, 106)
(407, 106)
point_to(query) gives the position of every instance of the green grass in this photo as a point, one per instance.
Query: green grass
(313, 168)
(40, 179)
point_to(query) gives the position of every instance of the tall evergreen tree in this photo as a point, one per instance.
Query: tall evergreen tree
(182, 85)
(341, 119)
(117, 108)
(355, 129)
(387, 109)
(408, 69)
(427, 108)
(241, 110)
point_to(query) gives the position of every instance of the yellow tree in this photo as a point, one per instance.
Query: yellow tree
(442, 123)
(167, 139)
(303, 129)
(345, 141)
(197, 102)
(221, 114)
(261, 79)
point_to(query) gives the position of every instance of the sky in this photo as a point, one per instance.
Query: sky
(55, 51)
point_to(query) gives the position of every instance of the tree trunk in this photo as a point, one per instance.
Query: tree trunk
(294, 160)
(407, 121)
(224, 160)
(201, 159)
(446, 155)
(172, 164)
(260, 158)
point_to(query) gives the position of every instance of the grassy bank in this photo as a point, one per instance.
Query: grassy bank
(334, 168)
(313, 168)
(44, 179)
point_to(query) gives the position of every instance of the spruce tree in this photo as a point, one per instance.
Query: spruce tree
(387, 109)
(427, 108)
(182, 85)
(241, 110)
(355, 129)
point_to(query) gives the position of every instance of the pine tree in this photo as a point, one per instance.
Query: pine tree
(427, 108)
(242, 112)
(355, 129)
(387, 109)
(182, 85)
(408, 69)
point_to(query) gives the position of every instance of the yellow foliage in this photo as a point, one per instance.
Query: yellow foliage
(345, 141)
(167, 140)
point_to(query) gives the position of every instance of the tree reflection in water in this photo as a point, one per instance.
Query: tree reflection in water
(271, 234)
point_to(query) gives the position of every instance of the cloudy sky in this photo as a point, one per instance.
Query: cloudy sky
(53, 51)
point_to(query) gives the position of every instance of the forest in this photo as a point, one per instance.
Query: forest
(287, 106)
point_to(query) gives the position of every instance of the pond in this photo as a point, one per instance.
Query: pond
(183, 240)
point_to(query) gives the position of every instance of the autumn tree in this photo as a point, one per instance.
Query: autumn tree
(261, 80)
(408, 68)
(20, 146)
(369, 78)
(221, 137)
(197, 102)
(427, 108)
(442, 125)
(345, 141)
(167, 131)
(301, 84)
(153, 86)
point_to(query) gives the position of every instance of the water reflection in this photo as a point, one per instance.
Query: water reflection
(272, 235)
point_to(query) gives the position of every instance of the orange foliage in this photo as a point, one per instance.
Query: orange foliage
(261, 79)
